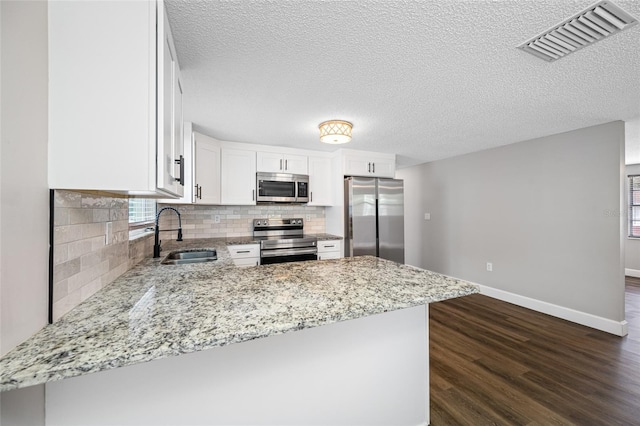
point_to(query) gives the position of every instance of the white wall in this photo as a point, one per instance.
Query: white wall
(539, 211)
(24, 202)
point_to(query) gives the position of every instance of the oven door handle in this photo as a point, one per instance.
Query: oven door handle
(288, 252)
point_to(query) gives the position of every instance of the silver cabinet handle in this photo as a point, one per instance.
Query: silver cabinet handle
(243, 251)
(329, 246)
(374, 167)
(286, 165)
(311, 197)
(369, 167)
(253, 195)
(281, 164)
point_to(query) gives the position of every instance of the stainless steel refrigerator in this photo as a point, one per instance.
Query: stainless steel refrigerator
(374, 217)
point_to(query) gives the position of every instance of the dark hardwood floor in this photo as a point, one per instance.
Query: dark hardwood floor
(494, 363)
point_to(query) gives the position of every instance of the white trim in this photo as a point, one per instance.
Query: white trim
(632, 272)
(619, 328)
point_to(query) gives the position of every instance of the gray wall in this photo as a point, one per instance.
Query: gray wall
(632, 245)
(539, 210)
(24, 203)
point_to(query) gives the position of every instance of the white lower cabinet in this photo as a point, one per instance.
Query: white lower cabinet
(245, 255)
(329, 249)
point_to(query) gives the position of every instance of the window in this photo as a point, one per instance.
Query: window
(634, 206)
(141, 210)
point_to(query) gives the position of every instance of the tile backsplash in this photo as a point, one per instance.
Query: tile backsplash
(88, 253)
(201, 221)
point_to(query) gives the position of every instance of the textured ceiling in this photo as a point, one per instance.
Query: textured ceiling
(425, 80)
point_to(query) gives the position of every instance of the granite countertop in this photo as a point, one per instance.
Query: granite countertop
(155, 311)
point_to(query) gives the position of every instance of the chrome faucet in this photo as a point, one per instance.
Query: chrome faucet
(156, 245)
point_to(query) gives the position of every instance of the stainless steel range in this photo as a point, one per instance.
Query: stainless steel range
(283, 240)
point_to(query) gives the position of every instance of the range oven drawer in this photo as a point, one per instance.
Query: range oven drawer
(298, 257)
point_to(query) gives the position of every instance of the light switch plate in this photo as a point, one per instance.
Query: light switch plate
(427, 216)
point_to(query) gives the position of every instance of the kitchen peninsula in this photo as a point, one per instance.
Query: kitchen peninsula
(359, 351)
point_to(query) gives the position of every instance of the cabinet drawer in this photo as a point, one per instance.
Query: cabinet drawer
(329, 255)
(244, 250)
(329, 245)
(246, 262)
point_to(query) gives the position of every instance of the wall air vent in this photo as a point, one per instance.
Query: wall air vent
(587, 27)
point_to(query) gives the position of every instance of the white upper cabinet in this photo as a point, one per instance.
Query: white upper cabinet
(320, 181)
(114, 98)
(170, 146)
(238, 177)
(207, 170)
(361, 163)
(275, 162)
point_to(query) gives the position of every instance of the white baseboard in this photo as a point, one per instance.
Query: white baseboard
(583, 318)
(632, 272)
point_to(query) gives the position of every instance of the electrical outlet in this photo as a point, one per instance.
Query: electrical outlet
(427, 216)
(308, 217)
(489, 267)
(108, 233)
(216, 218)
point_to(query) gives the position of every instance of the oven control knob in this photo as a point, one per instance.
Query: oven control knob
(258, 222)
(299, 221)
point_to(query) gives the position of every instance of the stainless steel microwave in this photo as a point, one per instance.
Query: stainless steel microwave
(282, 188)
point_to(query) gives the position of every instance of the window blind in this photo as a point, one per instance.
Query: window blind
(634, 206)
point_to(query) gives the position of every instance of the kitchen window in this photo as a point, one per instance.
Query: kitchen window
(142, 211)
(634, 206)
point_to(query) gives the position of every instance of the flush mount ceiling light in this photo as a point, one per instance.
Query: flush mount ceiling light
(584, 29)
(335, 131)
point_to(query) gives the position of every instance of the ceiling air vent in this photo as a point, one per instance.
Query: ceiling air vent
(587, 27)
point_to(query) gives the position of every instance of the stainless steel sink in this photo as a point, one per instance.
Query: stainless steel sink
(190, 256)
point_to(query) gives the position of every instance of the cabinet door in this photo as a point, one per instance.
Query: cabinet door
(383, 167)
(238, 178)
(296, 164)
(207, 170)
(356, 165)
(167, 90)
(320, 182)
(373, 164)
(179, 165)
(270, 162)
